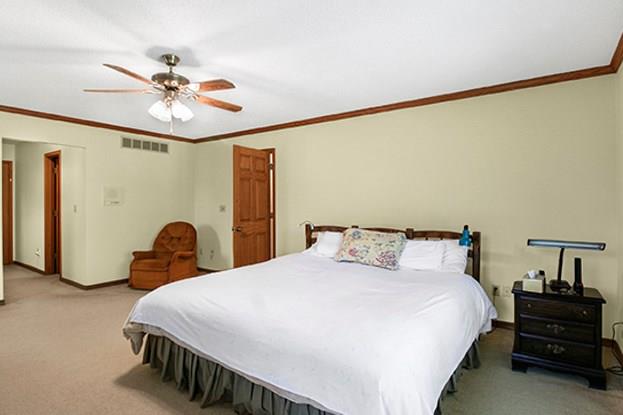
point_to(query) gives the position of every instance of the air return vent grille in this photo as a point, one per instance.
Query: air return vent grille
(136, 144)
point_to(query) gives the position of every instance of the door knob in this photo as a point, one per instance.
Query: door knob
(236, 229)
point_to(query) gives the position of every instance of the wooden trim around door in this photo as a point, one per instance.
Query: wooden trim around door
(272, 188)
(7, 215)
(52, 187)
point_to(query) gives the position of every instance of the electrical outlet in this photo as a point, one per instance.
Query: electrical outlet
(211, 254)
(37, 252)
(200, 251)
(496, 290)
(506, 291)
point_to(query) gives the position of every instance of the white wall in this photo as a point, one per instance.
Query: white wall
(537, 162)
(158, 188)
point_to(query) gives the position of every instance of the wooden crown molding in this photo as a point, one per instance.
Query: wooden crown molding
(612, 67)
(90, 123)
(617, 56)
(453, 96)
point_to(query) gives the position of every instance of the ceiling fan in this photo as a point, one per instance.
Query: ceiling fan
(173, 87)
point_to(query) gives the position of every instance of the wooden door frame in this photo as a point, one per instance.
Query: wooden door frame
(9, 229)
(48, 175)
(272, 179)
(272, 211)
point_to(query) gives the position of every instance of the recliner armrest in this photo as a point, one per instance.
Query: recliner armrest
(183, 265)
(144, 254)
(182, 255)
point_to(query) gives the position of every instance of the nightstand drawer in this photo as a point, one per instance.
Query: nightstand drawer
(557, 309)
(584, 333)
(582, 355)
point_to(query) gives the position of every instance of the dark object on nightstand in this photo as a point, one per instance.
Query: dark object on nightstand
(578, 287)
(559, 331)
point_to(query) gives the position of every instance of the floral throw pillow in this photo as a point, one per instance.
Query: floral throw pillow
(379, 249)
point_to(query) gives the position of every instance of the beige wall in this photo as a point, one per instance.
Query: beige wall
(537, 162)
(29, 212)
(158, 188)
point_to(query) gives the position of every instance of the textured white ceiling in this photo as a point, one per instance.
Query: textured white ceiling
(289, 59)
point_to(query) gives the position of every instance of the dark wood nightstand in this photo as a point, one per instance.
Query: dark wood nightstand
(560, 332)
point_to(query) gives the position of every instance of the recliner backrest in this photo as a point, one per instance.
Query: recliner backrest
(176, 236)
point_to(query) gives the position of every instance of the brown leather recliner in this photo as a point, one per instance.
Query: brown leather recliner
(173, 258)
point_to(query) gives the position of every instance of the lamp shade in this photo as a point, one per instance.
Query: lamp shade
(550, 243)
(161, 111)
(181, 111)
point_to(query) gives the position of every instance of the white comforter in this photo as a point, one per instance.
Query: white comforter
(347, 338)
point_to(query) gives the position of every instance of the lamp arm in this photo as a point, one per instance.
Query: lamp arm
(560, 261)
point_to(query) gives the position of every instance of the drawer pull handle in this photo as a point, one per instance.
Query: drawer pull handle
(529, 305)
(584, 313)
(556, 328)
(556, 349)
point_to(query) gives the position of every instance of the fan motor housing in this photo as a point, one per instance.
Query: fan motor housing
(170, 80)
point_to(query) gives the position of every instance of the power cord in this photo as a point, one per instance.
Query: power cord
(616, 370)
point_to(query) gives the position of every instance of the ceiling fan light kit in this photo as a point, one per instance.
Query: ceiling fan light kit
(173, 87)
(160, 111)
(181, 111)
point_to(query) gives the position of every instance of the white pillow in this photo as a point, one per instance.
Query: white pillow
(423, 255)
(327, 244)
(455, 257)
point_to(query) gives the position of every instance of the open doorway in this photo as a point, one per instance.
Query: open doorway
(52, 211)
(49, 228)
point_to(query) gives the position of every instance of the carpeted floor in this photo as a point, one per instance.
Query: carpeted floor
(62, 352)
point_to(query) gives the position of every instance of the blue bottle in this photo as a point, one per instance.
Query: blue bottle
(466, 239)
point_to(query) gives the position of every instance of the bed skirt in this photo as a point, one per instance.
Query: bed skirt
(213, 383)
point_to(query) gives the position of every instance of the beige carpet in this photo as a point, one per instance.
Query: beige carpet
(62, 352)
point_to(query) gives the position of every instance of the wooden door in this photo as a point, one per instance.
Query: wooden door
(52, 211)
(7, 212)
(252, 230)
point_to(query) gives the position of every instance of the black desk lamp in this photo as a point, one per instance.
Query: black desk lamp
(559, 283)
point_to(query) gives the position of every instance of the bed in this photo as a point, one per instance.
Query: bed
(302, 335)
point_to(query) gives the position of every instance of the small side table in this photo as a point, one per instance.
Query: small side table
(559, 331)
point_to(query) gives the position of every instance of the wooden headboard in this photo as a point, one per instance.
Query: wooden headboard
(473, 252)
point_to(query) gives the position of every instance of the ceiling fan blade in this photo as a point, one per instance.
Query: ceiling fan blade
(135, 91)
(214, 85)
(216, 103)
(129, 73)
